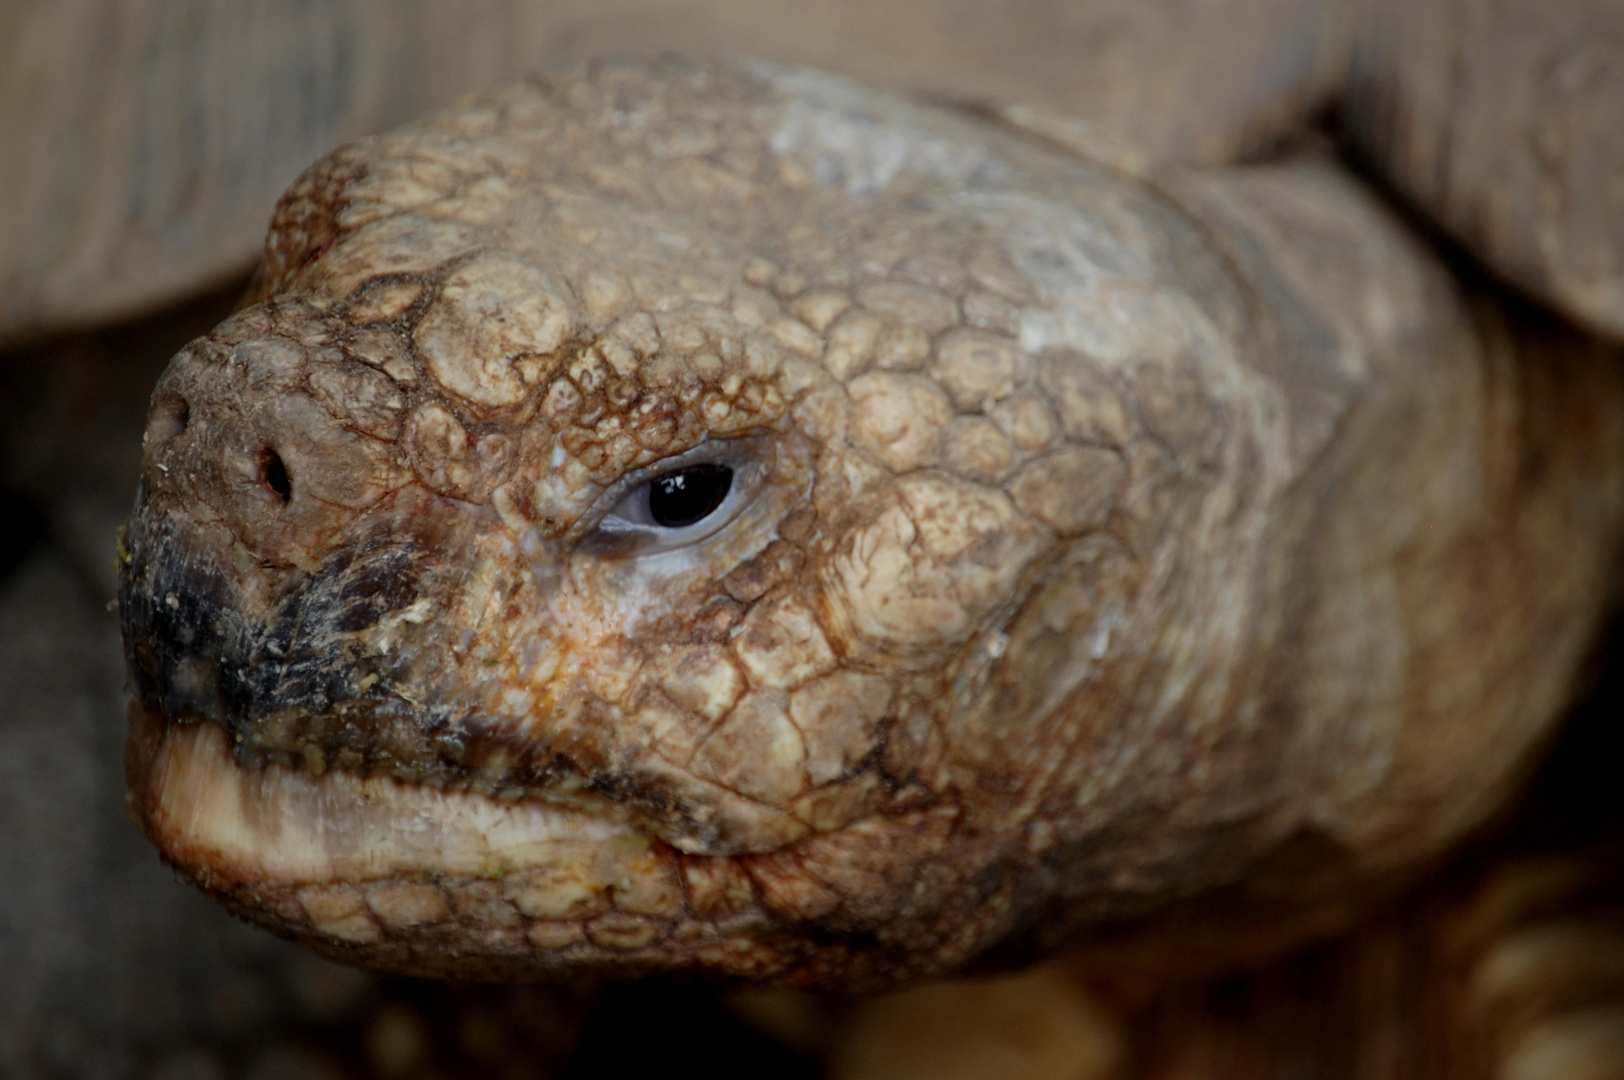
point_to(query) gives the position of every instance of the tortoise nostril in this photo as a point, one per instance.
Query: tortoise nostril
(275, 473)
(168, 419)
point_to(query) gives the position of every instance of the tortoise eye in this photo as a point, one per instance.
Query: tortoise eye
(688, 496)
(681, 501)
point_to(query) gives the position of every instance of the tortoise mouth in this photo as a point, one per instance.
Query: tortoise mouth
(410, 878)
(276, 823)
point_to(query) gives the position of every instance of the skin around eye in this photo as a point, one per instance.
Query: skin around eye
(679, 502)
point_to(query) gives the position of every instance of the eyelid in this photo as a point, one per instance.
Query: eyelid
(750, 459)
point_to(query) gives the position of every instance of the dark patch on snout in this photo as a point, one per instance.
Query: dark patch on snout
(182, 621)
(303, 668)
(306, 655)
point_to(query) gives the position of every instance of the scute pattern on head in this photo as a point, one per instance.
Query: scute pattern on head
(1002, 577)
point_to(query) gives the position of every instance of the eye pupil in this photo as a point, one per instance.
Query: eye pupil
(688, 495)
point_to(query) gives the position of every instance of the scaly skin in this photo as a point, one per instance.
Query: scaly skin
(1094, 546)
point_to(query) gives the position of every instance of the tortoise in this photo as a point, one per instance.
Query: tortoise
(1066, 548)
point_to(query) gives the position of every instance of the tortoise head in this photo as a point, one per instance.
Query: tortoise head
(649, 520)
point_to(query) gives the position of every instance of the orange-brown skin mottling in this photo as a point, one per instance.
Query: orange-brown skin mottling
(1093, 545)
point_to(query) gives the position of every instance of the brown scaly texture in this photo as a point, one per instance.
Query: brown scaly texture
(1094, 549)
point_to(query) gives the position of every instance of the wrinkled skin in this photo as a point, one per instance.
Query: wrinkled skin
(1092, 546)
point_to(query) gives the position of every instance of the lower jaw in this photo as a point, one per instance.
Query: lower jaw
(416, 880)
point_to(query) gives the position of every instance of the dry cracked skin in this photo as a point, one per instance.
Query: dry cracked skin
(712, 517)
